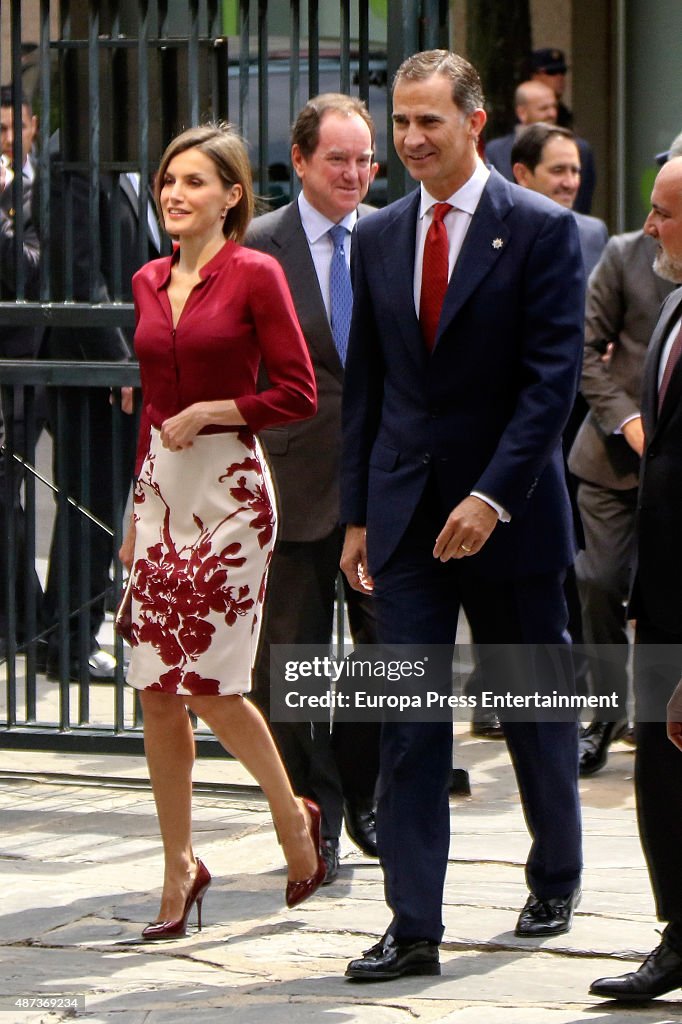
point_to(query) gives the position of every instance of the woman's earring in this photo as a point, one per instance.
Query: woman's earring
(223, 213)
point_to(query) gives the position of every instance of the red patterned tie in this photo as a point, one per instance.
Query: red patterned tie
(673, 359)
(434, 274)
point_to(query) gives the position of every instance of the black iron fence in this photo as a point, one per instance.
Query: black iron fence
(109, 83)
(50, 698)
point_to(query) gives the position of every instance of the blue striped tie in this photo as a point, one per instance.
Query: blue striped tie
(340, 292)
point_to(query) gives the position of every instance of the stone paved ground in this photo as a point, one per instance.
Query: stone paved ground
(80, 869)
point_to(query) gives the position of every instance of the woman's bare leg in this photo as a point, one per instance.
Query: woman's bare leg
(169, 747)
(241, 729)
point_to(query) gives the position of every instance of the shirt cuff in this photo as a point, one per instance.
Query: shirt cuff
(502, 513)
(628, 419)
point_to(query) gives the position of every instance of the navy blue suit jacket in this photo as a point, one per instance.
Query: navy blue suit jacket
(485, 410)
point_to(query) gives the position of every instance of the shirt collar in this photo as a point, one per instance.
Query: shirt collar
(465, 198)
(315, 224)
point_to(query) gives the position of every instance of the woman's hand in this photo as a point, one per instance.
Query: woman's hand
(126, 552)
(179, 431)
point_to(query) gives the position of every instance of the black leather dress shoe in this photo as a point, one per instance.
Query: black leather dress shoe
(547, 917)
(661, 972)
(459, 782)
(329, 848)
(595, 742)
(390, 959)
(361, 826)
(486, 725)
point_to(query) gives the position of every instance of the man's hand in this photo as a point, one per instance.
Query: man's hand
(674, 717)
(127, 400)
(633, 432)
(354, 560)
(466, 530)
(675, 733)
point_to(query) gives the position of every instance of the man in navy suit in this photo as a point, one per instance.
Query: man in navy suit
(453, 486)
(546, 158)
(535, 102)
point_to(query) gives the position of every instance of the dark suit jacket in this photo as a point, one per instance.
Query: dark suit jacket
(624, 297)
(594, 235)
(659, 551)
(498, 155)
(18, 342)
(485, 411)
(305, 456)
(111, 273)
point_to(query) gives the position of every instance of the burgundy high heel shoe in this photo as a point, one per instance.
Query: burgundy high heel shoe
(299, 891)
(177, 928)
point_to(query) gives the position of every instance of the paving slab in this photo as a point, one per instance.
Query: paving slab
(80, 873)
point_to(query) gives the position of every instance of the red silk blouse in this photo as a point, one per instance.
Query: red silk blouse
(240, 312)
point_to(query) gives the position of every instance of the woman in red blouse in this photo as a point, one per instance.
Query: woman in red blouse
(203, 525)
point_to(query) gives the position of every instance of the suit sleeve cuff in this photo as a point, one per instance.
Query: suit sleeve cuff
(502, 513)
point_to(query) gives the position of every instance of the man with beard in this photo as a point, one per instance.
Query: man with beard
(656, 603)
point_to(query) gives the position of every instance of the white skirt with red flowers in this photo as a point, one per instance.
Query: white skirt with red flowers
(205, 528)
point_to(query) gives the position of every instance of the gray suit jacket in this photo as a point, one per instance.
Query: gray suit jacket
(305, 456)
(623, 300)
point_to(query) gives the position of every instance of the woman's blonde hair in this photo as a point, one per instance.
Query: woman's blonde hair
(226, 148)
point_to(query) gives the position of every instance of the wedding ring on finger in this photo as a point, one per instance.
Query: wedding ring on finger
(465, 549)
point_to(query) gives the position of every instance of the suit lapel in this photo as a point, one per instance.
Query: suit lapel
(673, 394)
(129, 192)
(294, 256)
(397, 242)
(484, 243)
(652, 421)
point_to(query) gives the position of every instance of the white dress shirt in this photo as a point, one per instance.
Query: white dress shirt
(152, 223)
(665, 353)
(464, 202)
(316, 227)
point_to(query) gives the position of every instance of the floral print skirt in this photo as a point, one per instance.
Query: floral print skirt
(205, 528)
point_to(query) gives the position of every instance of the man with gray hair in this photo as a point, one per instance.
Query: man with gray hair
(623, 302)
(656, 603)
(333, 156)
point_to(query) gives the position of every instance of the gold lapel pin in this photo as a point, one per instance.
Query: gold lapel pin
(497, 243)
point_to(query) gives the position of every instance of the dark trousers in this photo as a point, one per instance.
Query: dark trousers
(86, 571)
(418, 601)
(658, 764)
(299, 609)
(26, 586)
(604, 570)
